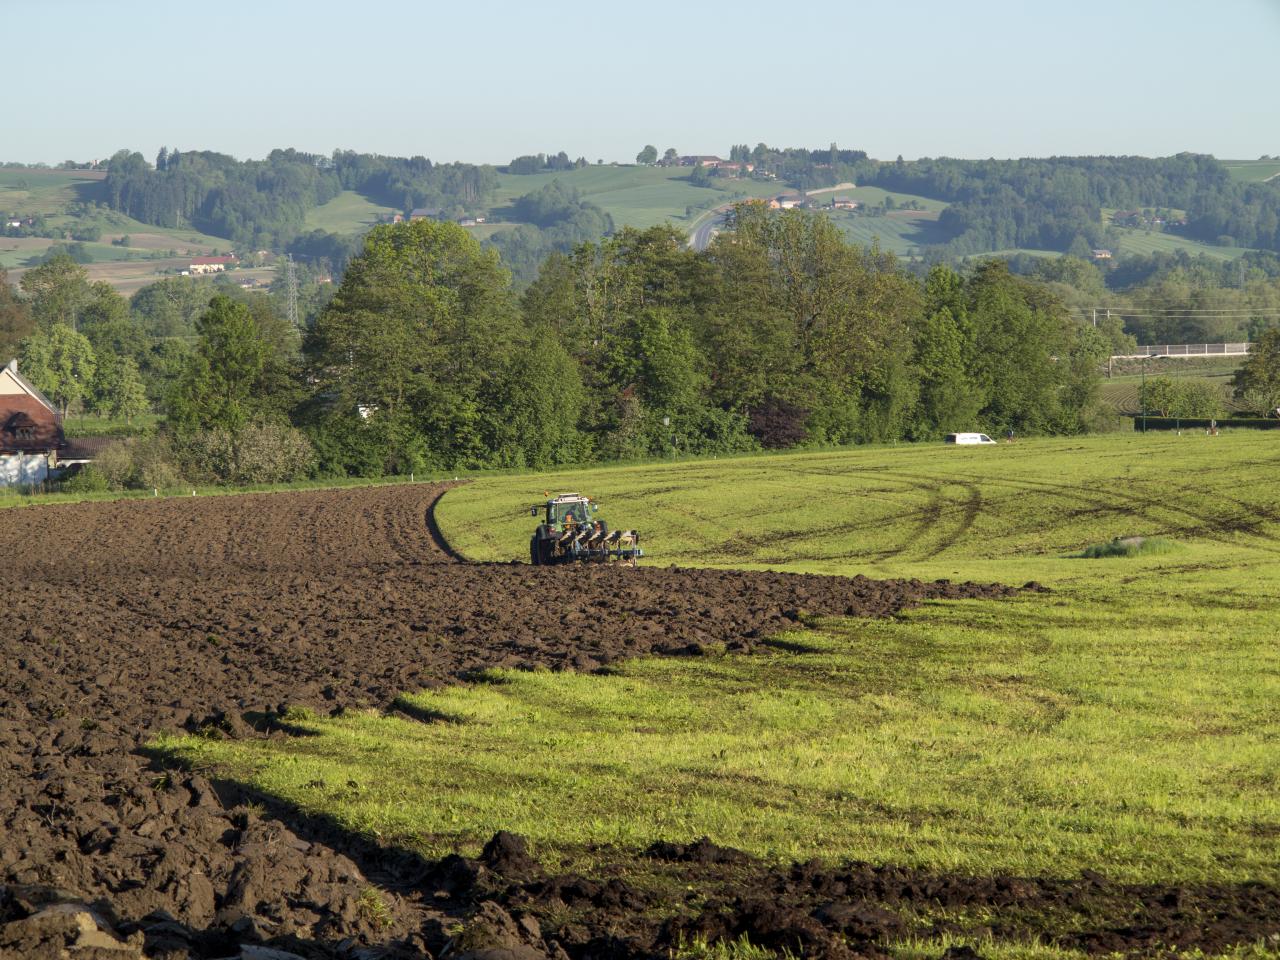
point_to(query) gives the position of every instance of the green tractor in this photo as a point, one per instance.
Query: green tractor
(570, 532)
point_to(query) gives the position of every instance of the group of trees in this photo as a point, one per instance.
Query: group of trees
(781, 333)
(544, 163)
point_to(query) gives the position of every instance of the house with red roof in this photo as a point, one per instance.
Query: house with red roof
(30, 430)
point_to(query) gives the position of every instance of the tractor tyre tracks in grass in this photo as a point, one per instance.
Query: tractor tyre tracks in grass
(218, 615)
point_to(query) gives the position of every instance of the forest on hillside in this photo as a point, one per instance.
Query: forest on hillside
(1054, 203)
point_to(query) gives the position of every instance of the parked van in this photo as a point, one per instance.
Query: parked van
(968, 438)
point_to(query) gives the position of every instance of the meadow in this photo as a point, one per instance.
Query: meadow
(639, 196)
(1253, 169)
(1124, 722)
(348, 212)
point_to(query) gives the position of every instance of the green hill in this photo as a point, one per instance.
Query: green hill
(1253, 169)
(348, 212)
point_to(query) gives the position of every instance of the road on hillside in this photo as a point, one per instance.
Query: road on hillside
(702, 236)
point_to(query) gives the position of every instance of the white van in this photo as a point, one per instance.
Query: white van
(968, 438)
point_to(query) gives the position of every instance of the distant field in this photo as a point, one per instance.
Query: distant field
(1123, 392)
(44, 191)
(483, 231)
(348, 212)
(897, 233)
(48, 193)
(1252, 169)
(639, 196)
(1142, 242)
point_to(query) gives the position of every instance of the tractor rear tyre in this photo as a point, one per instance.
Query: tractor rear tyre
(535, 554)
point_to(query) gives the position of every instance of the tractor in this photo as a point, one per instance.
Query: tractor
(570, 532)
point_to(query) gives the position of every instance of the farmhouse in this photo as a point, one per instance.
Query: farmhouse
(844, 203)
(30, 430)
(1102, 254)
(203, 265)
(424, 213)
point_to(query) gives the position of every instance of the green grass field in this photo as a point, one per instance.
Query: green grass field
(638, 196)
(1253, 169)
(1145, 243)
(348, 212)
(1125, 722)
(1123, 390)
(899, 233)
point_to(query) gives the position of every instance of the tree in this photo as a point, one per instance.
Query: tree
(1157, 396)
(1258, 379)
(534, 406)
(61, 364)
(670, 155)
(942, 356)
(219, 387)
(16, 323)
(648, 155)
(58, 289)
(423, 318)
(118, 391)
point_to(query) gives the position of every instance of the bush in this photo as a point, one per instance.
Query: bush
(86, 480)
(137, 463)
(257, 453)
(1127, 547)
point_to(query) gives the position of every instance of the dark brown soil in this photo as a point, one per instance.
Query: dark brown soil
(125, 619)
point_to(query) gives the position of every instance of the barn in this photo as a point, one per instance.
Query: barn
(30, 430)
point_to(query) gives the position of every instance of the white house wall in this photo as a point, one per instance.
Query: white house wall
(17, 469)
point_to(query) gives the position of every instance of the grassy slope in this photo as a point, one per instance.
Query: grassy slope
(1125, 722)
(348, 212)
(1141, 242)
(638, 196)
(1252, 169)
(49, 192)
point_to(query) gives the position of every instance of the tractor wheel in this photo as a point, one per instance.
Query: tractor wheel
(535, 555)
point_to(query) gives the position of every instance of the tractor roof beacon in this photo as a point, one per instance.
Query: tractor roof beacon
(571, 532)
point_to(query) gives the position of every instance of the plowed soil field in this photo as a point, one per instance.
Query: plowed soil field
(217, 614)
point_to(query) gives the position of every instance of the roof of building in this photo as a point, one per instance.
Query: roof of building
(12, 369)
(19, 412)
(84, 448)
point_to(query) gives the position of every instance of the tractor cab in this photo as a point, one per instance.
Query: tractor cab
(568, 509)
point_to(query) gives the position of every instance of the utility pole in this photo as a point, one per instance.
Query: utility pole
(1143, 392)
(291, 290)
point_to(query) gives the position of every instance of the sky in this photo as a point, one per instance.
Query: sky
(485, 82)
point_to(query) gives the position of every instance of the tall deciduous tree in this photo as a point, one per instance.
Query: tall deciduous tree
(423, 318)
(648, 155)
(58, 290)
(118, 391)
(220, 384)
(61, 364)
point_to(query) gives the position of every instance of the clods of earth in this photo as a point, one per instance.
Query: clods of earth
(125, 619)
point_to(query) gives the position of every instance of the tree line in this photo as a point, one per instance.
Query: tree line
(426, 357)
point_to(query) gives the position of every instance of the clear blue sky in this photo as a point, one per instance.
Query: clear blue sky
(484, 82)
